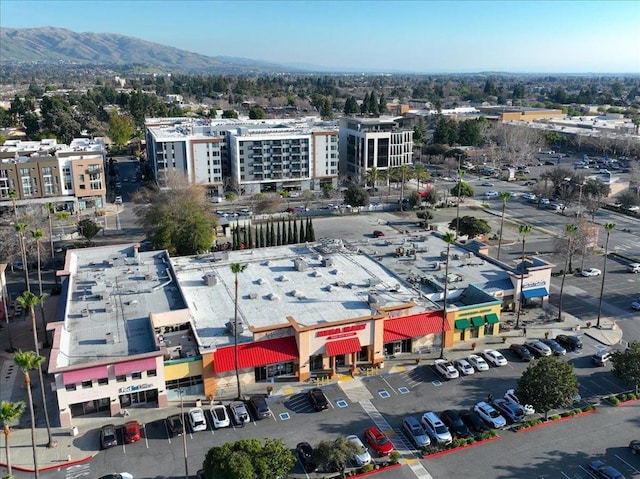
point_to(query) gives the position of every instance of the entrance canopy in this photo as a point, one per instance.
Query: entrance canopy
(462, 324)
(413, 326)
(535, 293)
(344, 346)
(260, 353)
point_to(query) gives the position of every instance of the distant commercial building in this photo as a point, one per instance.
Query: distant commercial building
(527, 115)
(70, 176)
(246, 156)
(367, 143)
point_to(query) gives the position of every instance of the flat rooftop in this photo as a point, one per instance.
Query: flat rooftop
(110, 293)
(329, 283)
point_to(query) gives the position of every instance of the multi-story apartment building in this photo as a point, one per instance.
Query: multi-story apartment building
(366, 143)
(248, 156)
(70, 176)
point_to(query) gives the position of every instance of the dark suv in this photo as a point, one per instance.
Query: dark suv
(318, 399)
(174, 423)
(259, 405)
(521, 351)
(455, 424)
(569, 342)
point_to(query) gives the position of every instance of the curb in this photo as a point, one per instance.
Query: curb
(561, 419)
(455, 449)
(55, 466)
(376, 471)
(623, 403)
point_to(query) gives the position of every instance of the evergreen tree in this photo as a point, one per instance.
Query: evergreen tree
(290, 233)
(311, 236)
(326, 111)
(238, 240)
(272, 236)
(302, 235)
(245, 237)
(351, 106)
(267, 234)
(295, 233)
(382, 105)
(285, 236)
(373, 104)
(278, 235)
(263, 240)
(250, 243)
(364, 107)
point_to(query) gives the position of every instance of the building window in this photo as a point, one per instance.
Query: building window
(95, 181)
(47, 180)
(103, 381)
(70, 387)
(81, 178)
(152, 373)
(87, 384)
(121, 379)
(136, 375)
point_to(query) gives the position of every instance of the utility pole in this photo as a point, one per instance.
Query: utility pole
(184, 434)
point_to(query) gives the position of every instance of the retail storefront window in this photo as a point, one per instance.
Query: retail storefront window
(264, 373)
(90, 407)
(139, 398)
(397, 347)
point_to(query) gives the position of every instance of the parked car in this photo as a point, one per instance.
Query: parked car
(197, 420)
(220, 416)
(305, 454)
(445, 369)
(464, 367)
(568, 341)
(454, 422)
(318, 399)
(361, 458)
(487, 183)
(591, 272)
(108, 436)
(378, 233)
(117, 200)
(494, 357)
(117, 475)
(633, 268)
(415, 432)
(635, 305)
(489, 415)
(435, 428)
(259, 405)
(521, 351)
(473, 421)
(635, 446)
(555, 347)
(600, 469)
(175, 426)
(477, 362)
(510, 411)
(510, 396)
(602, 357)
(491, 194)
(131, 432)
(538, 348)
(378, 441)
(239, 413)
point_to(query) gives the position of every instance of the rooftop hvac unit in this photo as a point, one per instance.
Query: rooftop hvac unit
(221, 256)
(230, 327)
(261, 281)
(376, 299)
(300, 265)
(110, 338)
(283, 278)
(374, 281)
(273, 297)
(210, 279)
(327, 262)
(316, 274)
(253, 295)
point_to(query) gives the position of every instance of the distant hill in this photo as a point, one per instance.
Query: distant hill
(59, 45)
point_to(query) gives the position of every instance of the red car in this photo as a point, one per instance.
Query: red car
(131, 432)
(378, 441)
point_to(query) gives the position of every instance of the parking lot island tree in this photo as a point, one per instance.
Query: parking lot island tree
(626, 365)
(470, 226)
(334, 455)
(356, 196)
(248, 459)
(88, 229)
(548, 383)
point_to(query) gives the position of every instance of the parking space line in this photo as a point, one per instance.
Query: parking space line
(166, 429)
(633, 468)
(146, 440)
(390, 386)
(564, 475)
(587, 471)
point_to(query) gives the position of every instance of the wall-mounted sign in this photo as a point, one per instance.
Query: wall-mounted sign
(134, 388)
(344, 329)
(534, 284)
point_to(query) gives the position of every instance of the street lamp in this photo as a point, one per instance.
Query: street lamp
(184, 434)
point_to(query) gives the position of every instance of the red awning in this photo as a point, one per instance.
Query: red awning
(269, 351)
(122, 369)
(88, 374)
(344, 346)
(413, 326)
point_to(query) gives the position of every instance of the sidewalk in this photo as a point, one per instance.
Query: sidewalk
(84, 446)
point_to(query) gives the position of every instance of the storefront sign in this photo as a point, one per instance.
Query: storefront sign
(131, 389)
(534, 284)
(340, 332)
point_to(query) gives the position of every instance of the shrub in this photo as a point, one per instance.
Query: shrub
(577, 411)
(614, 400)
(368, 468)
(471, 440)
(458, 442)
(632, 396)
(588, 408)
(555, 417)
(395, 457)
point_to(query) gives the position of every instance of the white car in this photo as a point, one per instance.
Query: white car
(491, 194)
(634, 208)
(464, 367)
(220, 416)
(538, 348)
(494, 357)
(477, 362)
(489, 415)
(510, 396)
(363, 458)
(544, 201)
(591, 272)
(197, 420)
(445, 369)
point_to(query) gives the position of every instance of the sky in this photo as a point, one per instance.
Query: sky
(383, 35)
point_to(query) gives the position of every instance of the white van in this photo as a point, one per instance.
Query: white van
(633, 268)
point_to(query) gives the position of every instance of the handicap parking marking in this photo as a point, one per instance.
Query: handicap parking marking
(341, 403)
(384, 394)
(403, 390)
(436, 383)
(77, 471)
(284, 416)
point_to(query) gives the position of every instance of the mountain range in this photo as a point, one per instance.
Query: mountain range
(59, 45)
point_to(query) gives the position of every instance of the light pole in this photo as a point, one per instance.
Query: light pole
(609, 227)
(184, 434)
(524, 231)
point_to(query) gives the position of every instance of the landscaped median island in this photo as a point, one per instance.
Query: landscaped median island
(623, 399)
(439, 449)
(564, 416)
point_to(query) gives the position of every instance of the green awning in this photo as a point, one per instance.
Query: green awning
(477, 321)
(462, 324)
(492, 318)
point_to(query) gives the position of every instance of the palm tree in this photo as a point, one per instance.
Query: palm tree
(372, 177)
(9, 412)
(37, 235)
(63, 216)
(504, 196)
(405, 174)
(524, 230)
(420, 173)
(460, 177)
(21, 228)
(608, 227)
(29, 301)
(450, 239)
(13, 195)
(236, 269)
(391, 175)
(571, 231)
(28, 361)
(51, 209)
